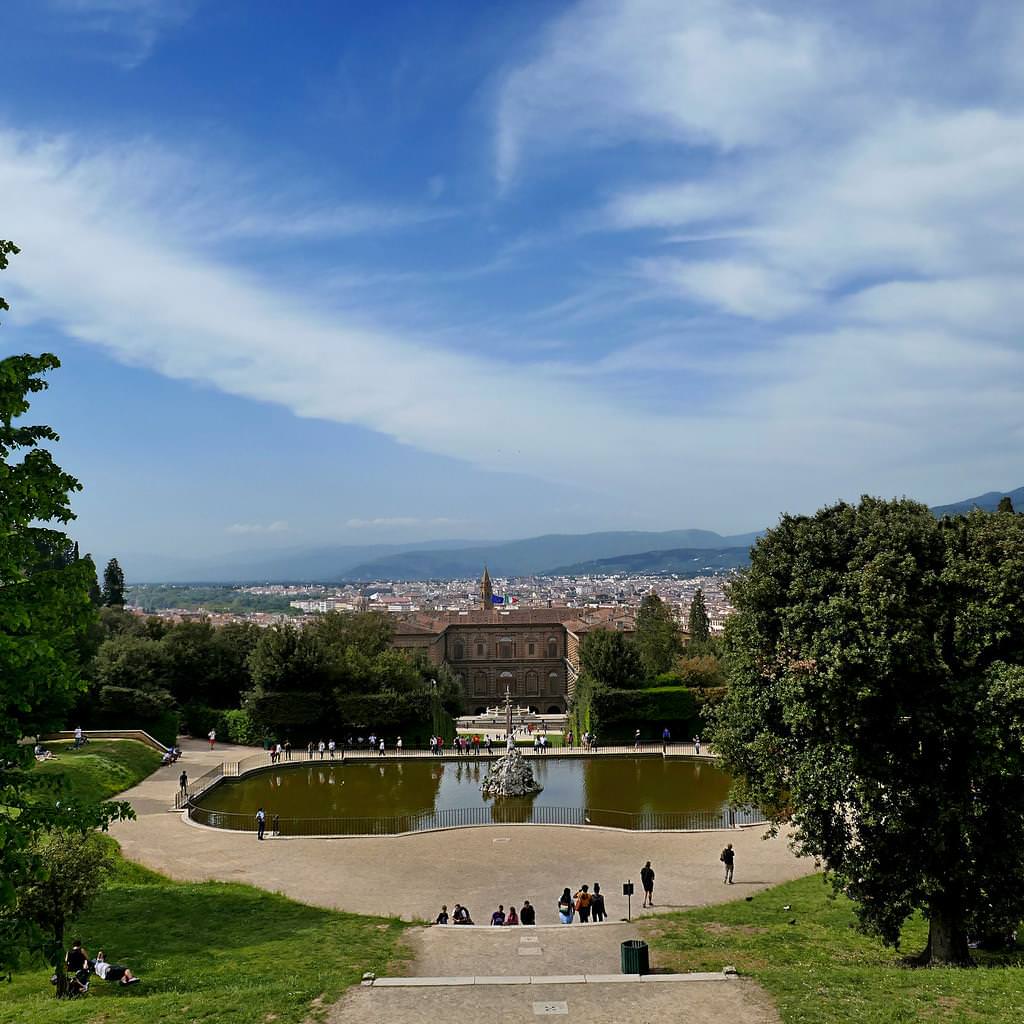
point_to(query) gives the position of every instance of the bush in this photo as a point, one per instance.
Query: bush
(240, 728)
(199, 719)
(122, 702)
(615, 715)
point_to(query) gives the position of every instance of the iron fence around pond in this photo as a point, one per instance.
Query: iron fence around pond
(468, 817)
(196, 787)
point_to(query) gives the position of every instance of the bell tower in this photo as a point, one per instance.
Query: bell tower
(486, 593)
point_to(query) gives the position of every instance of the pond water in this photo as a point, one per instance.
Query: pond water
(611, 791)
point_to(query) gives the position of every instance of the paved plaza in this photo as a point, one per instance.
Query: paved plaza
(411, 876)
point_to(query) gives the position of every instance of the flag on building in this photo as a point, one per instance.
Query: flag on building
(504, 599)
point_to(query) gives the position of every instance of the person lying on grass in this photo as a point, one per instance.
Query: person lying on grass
(112, 972)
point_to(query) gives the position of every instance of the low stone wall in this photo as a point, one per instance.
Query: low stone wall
(109, 734)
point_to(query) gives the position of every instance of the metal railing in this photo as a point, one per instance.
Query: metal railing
(469, 817)
(196, 787)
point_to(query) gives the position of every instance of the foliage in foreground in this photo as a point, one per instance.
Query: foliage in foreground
(221, 953)
(820, 969)
(45, 616)
(876, 699)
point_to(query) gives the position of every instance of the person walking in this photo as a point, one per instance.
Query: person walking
(331, 747)
(665, 737)
(527, 915)
(727, 858)
(582, 904)
(322, 748)
(511, 918)
(696, 744)
(212, 737)
(78, 736)
(636, 740)
(183, 781)
(287, 750)
(565, 907)
(310, 747)
(261, 822)
(597, 913)
(647, 881)
(398, 745)
(380, 748)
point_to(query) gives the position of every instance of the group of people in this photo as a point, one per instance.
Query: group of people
(587, 904)
(80, 968)
(588, 740)
(461, 915)
(171, 754)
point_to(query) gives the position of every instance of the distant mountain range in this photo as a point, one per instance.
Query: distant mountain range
(692, 552)
(987, 501)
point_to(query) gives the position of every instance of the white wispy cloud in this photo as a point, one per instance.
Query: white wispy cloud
(130, 28)
(393, 521)
(277, 526)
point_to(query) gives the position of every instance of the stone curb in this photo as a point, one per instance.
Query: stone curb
(552, 979)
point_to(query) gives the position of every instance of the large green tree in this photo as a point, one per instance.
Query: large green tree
(876, 705)
(113, 584)
(657, 636)
(44, 613)
(609, 659)
(698, 625)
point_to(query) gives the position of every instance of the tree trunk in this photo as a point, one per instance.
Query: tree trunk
(947, 939)
(60, 967)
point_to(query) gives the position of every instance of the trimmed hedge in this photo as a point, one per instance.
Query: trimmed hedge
(615, 715)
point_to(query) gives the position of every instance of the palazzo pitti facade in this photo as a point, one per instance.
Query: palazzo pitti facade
(533, 652)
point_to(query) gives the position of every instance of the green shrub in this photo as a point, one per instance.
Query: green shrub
(240, 727)
(615, 715)
(198, 719)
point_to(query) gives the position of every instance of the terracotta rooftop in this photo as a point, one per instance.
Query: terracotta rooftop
(576, 619)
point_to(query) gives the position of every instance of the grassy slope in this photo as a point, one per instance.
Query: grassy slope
(822, 971)
(100, 769)
(212, 952)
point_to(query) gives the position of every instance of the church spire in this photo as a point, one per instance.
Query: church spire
(486, 593)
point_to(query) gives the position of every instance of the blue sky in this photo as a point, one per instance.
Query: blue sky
(339, 272)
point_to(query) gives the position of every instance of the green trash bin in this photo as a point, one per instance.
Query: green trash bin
(636, 957)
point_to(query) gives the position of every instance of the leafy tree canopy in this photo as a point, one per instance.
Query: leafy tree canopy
(610, 659)
(876, 703)
(657, 636)
(44, 613)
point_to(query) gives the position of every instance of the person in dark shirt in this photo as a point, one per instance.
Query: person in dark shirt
(647, 880)
(77, 958)
(597, 904)
(442, 918)
(727, 858)
(527, 915)
(498, 917)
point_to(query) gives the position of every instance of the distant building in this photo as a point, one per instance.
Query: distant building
(534, 652)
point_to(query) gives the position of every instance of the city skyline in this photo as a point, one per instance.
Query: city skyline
(456, 273)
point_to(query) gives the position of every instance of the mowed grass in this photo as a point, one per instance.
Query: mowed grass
(820, 970)
(100, 769)
(211, 952)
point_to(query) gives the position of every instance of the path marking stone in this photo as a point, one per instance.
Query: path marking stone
(551, 1009)
(502, 839)
(530, 951)
(529, 938)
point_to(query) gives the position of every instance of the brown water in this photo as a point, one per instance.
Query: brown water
(603, 790)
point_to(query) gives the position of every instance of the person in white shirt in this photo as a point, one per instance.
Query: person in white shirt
(112, 972)
(332, 746)
(398, 745)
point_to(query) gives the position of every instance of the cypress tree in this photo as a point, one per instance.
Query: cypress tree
(113, 585)
(699, 626)
(1005, 504)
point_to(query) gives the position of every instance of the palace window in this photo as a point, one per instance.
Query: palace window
(552, 647)
(530, 648)
(479, 650)
(480, 683)
(460, 651)
(553, 686)
(532, 684)
(505, 648)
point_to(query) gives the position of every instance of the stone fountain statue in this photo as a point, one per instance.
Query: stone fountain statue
(510, 775)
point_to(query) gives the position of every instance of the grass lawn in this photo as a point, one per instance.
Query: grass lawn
(820, 970)
(101, 768)
(210, 952)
